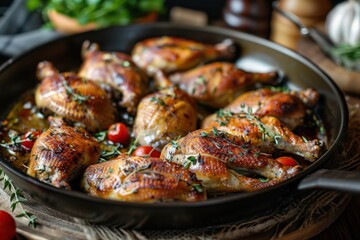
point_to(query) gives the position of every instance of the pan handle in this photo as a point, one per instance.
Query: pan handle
(345, 181)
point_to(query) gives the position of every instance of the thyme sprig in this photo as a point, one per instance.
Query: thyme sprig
(109, 153)
(16, 198)
(266, 132)
(15, 140)
(190, 160)
(158, 100)
(75, 95)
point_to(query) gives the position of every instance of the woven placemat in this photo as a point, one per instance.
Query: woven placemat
(304, 218)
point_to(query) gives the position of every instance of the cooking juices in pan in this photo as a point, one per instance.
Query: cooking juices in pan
(219, 129)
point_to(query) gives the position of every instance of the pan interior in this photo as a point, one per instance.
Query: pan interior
(18, 75)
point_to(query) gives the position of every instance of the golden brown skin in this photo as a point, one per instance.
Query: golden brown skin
(268, 133)
(289, 107)
(217, 84)
(213, 156)
(163, 116)
(170, 54)
(117, 70)
(139, 179)
(74, 98)
(60, 154)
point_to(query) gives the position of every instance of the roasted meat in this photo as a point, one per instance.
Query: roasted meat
(117, 70)
(139, 179)
(163, 116)
(170, 54)
(267, 133)
(289, 107)
(214, 155)
(217, 84)
(60, 154)
(73, 98)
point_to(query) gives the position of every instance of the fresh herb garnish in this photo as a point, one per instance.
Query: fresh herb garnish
(266, 132)
(203, 134)
(264, 180)
(16, 198)
(110, 152)
(197, 187)
(75, 95)
(190, 160)
(100, 136)
(158, 101)
(104, 13)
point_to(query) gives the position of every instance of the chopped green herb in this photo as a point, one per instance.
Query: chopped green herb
(203, 134)
(100, 136)
(197, 187)
(158, 101)
(264, 180)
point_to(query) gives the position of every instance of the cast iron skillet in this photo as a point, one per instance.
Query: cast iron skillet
(18, 75)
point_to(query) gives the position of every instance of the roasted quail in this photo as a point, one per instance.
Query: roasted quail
(163, 116)
(139, 179)
(61, 153)
(289, 107)
(73, 98)
(118, 71)
(170, 54)
(213, 155)
(267, 133)
(217, 84)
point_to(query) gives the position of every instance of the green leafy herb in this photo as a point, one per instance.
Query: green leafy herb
(100, 136)
(266, 132)
(75, 95)
(110, 152)
(203, 134)
(104, 13)
(174, 142)
(197, 187)
(16, 198)
(132, 147)
(264, 180)
(158, 101)
(190, 160)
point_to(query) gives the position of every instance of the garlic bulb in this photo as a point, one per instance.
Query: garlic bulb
(343, 23)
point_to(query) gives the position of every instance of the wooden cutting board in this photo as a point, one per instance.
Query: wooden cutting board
(348, 81)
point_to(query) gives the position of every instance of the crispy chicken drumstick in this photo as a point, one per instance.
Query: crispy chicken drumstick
(61, 153)
(118, 71)
(139, 179)
(73, 98)
(289, 107)
(170, 54)
(213, 155)
(267, 133)
(216, 84)
(164, 115)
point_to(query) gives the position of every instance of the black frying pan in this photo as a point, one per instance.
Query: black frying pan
(18, 75)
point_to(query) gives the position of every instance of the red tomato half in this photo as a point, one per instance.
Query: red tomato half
(146, 151)
(29, 139)
(7, 226)
(287, 161)
(118, 133)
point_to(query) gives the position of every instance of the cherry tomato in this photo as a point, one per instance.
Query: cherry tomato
(287, 161)
(146, 151)
(118, 133)
(7, 226)
(29, 138)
